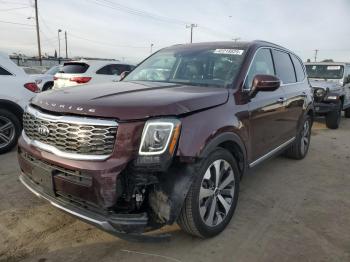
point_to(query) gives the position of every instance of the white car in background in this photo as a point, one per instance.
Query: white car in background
(89, 71)
(16, 89)
(45, 80)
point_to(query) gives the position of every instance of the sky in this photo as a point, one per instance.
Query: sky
(126, 29)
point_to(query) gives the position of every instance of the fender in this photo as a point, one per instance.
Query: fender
(12, 106)
(167, 200)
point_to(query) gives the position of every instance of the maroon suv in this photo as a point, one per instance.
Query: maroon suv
(171, 141)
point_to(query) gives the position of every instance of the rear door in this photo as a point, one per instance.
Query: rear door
(294, 84)
(266, 109)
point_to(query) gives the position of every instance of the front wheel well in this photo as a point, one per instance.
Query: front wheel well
(13, 108)
(236, 152)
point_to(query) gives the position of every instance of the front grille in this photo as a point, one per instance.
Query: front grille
(78, 138)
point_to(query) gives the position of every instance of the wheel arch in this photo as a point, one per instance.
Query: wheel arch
(167, 200)
(12, 107)
(231, 142)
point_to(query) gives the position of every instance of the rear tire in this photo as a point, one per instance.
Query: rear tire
(10, 130)
(300, 146)
(347, 112)
(333, 118)
(212, 198)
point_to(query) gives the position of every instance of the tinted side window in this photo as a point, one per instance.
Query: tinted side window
(4, 72)
(261, 65)
(284, 67)
(298, 68)
(106, 70)
(122, 68)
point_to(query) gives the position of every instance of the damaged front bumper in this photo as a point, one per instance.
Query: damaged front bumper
(126, 226)
(122, 223)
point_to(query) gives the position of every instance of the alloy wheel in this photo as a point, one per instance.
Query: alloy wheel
(7, 131)
(305, 138)
(216, 193)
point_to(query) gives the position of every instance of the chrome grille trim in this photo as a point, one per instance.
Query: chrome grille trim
(62, 145)
(70, 119)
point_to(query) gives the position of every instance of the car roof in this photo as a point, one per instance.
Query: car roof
(96, 64)
(226, 44)
(328, 63)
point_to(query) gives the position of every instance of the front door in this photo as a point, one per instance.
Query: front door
(266, 109)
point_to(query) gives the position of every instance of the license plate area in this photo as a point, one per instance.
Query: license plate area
(43, 177)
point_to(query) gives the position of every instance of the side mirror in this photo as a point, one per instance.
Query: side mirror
(263, 83)
(123, 75)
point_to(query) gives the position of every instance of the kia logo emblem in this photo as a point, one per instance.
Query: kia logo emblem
(43, 130)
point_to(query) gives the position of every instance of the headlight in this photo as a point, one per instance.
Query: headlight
(159, 136)
(320, 92)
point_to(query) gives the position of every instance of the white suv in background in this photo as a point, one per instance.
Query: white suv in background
(16, 89)
(89, 71)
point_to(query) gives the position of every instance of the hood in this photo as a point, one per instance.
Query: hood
(332, 84)
(131, 100)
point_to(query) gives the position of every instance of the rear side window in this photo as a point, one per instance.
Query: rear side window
(74, 68)
(261, 65)
(113, 69)
(4, 72)
(284, 67)
(299, 70)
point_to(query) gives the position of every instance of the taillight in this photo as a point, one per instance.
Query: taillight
(80, 80)
(32, 87)
(55, 78)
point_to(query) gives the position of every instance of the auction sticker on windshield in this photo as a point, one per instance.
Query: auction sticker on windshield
(229, 51)
(333, 67)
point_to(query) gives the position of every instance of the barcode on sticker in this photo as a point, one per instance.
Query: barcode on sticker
(229, 51)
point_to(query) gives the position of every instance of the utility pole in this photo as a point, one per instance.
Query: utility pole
(316, 51)
(152, 47)
(191, 26)
(65, 38)
(236, 39)
(38, 31)
(59, 43)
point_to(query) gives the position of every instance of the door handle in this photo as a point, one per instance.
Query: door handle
(281, 100)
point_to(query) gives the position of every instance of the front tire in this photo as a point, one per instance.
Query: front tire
(10, 129)
(333, 118)
(212, 198)
(300, 147)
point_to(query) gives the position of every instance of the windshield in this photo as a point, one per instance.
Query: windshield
(53, 70)
(325, 71)
(210, 67)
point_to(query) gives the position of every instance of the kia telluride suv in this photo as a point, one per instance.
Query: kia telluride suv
(171, 141)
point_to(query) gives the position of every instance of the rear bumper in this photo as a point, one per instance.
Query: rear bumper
(322, 108)
(113, 223)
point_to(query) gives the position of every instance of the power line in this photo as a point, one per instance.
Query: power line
(105, 43)
(123, 8)
(13, 3)
(15, 8)
(14, 23)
